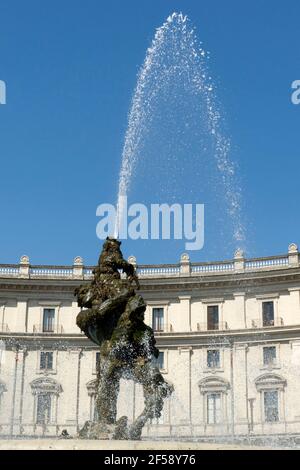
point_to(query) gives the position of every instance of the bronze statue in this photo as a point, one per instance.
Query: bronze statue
(113, 318)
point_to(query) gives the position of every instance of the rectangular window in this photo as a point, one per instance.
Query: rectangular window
(97, 361)
(213, 317)
(214, 408)
(213, 358)
(271, 406)
(46, 360)
(48, 320)
(43, 408)
(159, 361)
(158, 319)
(269, 353)
(268, 313)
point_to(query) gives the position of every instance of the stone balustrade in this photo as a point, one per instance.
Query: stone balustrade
(239, 264)
(259, 323)
(56, 329)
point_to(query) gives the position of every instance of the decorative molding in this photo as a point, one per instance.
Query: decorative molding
(45, 385)
(213, 384)
(78, 261)
(132, 260)
(213, 300)
(293, 248)
(92, 387)
(24, 260)
(49, 303)
(271, 296)
(270, 381)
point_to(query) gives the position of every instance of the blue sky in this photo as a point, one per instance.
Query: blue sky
(70, 70)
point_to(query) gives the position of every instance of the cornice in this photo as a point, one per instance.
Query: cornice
(238, 281)
(164, 340)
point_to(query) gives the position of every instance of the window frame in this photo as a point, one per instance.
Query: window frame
(46, 355)
(265, 313)
(271, 391)
(271, 381)
(50, 410)
(94, 363)
(277, 363)
(162, 329)
(52, 371)
(156, 361)
(208, 308)
(44, 330)
(215, 364)
(219, 420)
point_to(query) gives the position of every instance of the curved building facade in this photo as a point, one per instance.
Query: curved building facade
(228, 332)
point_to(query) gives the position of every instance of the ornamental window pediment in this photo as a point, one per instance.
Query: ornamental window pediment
(270, 381)
(46, 385)
(214, 384)
(92, 387)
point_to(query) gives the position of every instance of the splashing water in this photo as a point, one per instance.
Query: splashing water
(175, 73)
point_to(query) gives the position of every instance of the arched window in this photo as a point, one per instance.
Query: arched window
(214, 391)
(271, 388)
(45, 392)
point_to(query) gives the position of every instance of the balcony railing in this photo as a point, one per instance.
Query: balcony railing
(259, 323)
(184, 268)
(158, 270)
(207, 268)
(55, 329)
(220, 326)
(50, 272)
(266, 263)
(9, 270)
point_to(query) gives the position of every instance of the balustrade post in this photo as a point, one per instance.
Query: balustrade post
(239, 261)
(293, 255)
(185, 265)
(24, 266)
(132, 260)
(78, 268)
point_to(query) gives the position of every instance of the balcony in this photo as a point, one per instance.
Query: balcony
(220, 326)
(162, 328)
(259, 323)
(50, 329)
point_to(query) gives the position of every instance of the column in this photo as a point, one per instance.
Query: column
(70, 385)
(3, 324)
(182, 400)
(240, 388)
(17, 391)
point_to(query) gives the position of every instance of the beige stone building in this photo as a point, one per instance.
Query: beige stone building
(228, 332)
